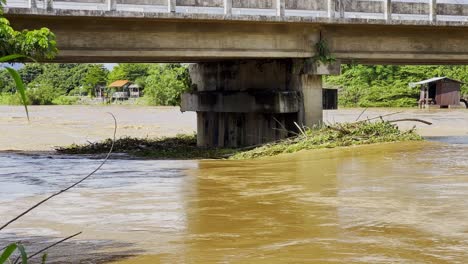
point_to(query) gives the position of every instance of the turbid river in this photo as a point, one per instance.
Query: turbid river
(388, 203)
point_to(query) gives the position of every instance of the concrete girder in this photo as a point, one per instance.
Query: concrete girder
(112, 39)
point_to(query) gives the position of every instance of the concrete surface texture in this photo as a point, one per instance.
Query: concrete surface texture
(429, 32)
(242, 103)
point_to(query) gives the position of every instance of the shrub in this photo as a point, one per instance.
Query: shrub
(65, 100)
(9, 99)
(166, 83)
(42, 95)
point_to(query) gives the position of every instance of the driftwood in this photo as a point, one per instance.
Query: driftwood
(410, 120)
(339, 129)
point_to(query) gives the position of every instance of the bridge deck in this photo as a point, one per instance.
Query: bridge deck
(401, 12)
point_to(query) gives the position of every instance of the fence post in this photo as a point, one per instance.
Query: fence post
(331, 8)
(433, 10)
(387, 9)
(341, 8)
(171, 6)
(227, 7)
(49, 5)
(280, 8)
(32, 4)
(111, 5)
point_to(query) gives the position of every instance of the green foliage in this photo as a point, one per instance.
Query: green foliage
(387, 85)
(41, 95)
(10, 249)
(95, 75)
(166, 83)
(20, 88)
(38, 44)
(347, 134)
(65, 100)
(323, 52)
(128, 71)
(9, 99)
(65, 77)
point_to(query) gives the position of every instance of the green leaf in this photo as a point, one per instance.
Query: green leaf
(44, 259)
(20, 87)
(24, 255)
(12, 57)
(7, 253)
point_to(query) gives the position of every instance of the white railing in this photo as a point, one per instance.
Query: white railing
(334, 9)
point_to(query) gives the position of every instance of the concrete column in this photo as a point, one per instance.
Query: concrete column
(227, 7)
(312, 100)
(433, 10)
(171, 6)
(111, 5)
(250, 102)
(331, 8)
(387, 4)
(280, 8)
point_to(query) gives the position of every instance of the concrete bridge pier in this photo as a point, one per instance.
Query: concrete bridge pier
(249, 102)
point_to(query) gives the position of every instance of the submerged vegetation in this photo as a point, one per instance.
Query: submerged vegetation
(178, 147)
(341, 135)
(185, 146)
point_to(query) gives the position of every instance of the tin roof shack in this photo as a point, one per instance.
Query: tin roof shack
(123, 90)
(439, 92)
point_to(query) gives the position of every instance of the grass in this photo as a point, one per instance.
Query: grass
(185, 146)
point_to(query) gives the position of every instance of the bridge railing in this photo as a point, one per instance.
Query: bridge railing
(428, 10)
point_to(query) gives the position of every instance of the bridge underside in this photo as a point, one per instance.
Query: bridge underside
(129, 39)
(253, 82)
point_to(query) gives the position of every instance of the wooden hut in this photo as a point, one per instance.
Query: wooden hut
(124, 89)
(439, 92)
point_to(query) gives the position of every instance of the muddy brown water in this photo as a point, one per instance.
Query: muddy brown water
(387, 203)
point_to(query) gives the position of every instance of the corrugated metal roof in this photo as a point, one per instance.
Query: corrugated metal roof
(435, 79)
(119, 83)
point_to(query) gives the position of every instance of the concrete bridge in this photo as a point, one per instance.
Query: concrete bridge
(254, 76)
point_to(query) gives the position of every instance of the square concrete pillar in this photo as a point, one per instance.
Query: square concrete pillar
(251, 102)
(312, 99)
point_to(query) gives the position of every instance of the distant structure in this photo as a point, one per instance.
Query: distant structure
(123, 90)
(329, 97)
(440, 92)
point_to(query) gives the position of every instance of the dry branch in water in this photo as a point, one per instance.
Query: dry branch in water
(410, 120)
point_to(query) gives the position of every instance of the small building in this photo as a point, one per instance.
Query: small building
(439, 92)
(123, 90)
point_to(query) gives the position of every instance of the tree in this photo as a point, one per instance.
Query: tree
(39, 44)
(166, 83)
(128, 71)
(387, 85)
(96, 75)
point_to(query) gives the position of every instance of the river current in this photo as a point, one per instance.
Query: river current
(388, 203)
